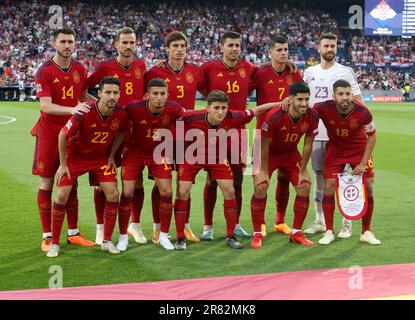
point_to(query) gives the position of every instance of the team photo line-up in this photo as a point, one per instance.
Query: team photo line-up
(78, 133)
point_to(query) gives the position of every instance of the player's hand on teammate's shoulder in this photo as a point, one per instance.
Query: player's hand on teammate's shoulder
(62, 170)
(81, 108)
(285, 104)
(292, 66)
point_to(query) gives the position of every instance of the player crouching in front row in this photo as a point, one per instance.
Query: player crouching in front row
(214, 124)
(84, 146)
(280, 134)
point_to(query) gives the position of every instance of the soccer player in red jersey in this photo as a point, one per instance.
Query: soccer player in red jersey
(232, 76)
(214, 125)
(85, 146)
(272, 82)
(352, 138)
(280, 134)
(183, 80)
(60, 85)
(148, 117)
(130, 71)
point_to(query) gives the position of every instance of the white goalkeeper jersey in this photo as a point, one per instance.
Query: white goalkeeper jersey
(321, 83)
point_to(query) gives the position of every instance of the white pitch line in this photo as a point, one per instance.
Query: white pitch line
(11, 119)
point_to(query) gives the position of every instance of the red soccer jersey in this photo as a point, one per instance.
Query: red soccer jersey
(146, 125)
(65, 89)
(182, 84)
(235, 82)
(131, 78)
(90, 136)
(272, 86)
(347, 135)
(233, 120)
(285, 133)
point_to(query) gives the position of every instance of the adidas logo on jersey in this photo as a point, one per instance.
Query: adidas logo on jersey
(283, 128)
(94, 125)
(56, 80)
(167, 80)
(143, 122)
(116, 76)
(220, 74)
(270, 82)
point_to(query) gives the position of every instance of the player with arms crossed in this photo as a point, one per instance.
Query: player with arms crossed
(130, 71)
(272, 82)
(352, 138)
(148, 117)
(184, 80)
(219, 121)
(280, 134)
(320, 79)
(60, 85)
(84, 146)
(232, 76)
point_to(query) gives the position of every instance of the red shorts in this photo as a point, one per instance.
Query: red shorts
(46, 158)
(100, 171)
(332, 167)
(133, 165)
(289, 165)
(188, 172)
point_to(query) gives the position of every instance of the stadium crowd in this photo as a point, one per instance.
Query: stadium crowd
(25, 34)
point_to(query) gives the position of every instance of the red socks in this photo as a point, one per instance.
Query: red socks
(72, 209)
(155, 203)
(137, 205)
(165, 211)
(258, 212)
(367, 218)
(238, 197)
(58, 215)
(99, 201)
(300, 211)
(180, 209)
(328, 209)
(281, 197)
(209, 197)
(188, 210)
(110, 217)
(230, 207)
(124, 212)
(44, 203)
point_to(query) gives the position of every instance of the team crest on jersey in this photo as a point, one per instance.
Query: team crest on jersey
(189, 77)
(137, 74)
(76, 77)
(242, 72)
(115, 124)
(289, 79)
(304, 127)
(165, 120)
(354, 124)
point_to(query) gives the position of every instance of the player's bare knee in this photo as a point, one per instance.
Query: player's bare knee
(303, 190)
(46, 183)
(128, 193)
(228, 192)
(329, 186)
(62, 196)
(183, 193)
(166, 192)
(261, 189)
(112, 196)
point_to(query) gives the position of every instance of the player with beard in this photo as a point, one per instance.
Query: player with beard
(130, 72)
(320, 78)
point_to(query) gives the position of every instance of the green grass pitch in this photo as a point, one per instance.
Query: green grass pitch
(24, 266)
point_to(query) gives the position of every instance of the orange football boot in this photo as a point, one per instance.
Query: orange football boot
(46, 244)
(80, 240)
(299, 238)
(256, 241)
(282, 228)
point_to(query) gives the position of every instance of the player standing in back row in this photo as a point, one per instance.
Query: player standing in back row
(232, 76)
(183, 80)
(60, 86)
(320, 79)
